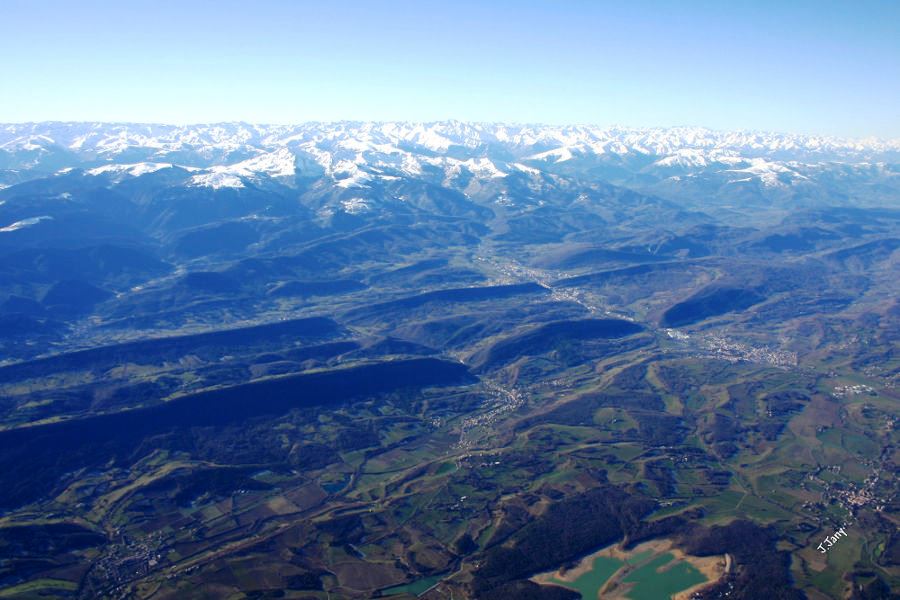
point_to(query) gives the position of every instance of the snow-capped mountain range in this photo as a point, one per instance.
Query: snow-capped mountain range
(672, 162)
(110, 139)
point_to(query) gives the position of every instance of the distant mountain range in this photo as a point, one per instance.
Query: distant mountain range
(684, 163)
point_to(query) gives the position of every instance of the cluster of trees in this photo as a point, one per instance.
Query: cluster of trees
(25, 548)
(567, 530)
(184, 488)
(762, 571)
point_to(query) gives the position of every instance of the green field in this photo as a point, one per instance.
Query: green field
(38, 588)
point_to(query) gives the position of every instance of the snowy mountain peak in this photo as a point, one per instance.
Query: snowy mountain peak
(110, 139)
(354, 155)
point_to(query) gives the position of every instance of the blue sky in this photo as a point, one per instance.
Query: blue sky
(813, 67)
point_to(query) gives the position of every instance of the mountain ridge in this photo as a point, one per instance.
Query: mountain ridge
(679, 163)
